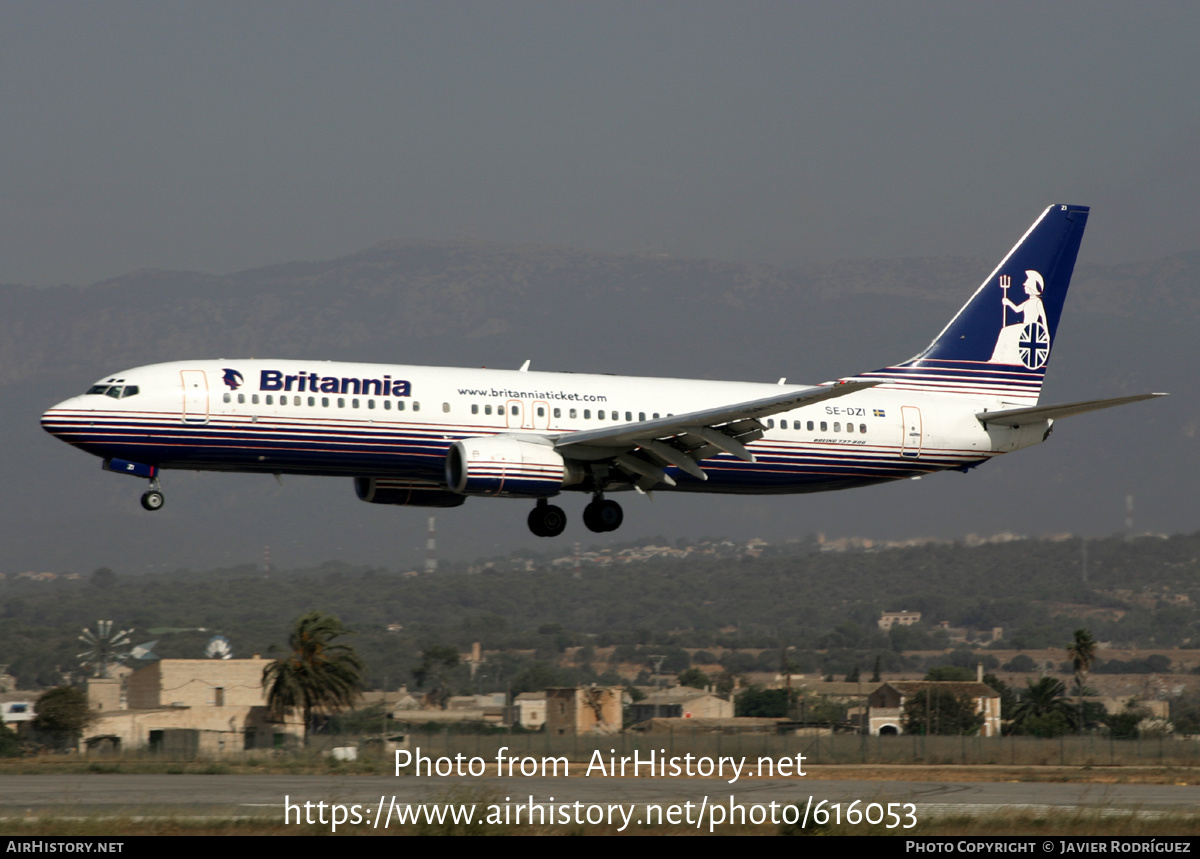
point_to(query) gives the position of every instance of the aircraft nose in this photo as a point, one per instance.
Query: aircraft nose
(54, 418)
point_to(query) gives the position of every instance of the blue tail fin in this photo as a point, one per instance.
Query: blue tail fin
(999, 344)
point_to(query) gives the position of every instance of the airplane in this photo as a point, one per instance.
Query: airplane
(436, 436)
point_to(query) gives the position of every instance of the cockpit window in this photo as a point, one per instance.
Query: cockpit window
(117, 392)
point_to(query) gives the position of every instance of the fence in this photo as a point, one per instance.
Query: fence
(1086, 750)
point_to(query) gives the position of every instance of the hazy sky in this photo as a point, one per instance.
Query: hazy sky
(220, 136)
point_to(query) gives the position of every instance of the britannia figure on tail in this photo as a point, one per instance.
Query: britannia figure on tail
(1027, 341)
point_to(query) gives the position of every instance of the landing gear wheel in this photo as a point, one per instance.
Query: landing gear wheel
(603, 515)
(153, 500)
(546, 520)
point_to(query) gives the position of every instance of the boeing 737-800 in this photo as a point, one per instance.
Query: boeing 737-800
(435, 436)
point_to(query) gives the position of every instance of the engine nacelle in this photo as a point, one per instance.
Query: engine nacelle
(508, 467)
(387, 490)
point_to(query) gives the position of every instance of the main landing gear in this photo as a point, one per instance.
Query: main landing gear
(546, 520)
(603, 515)
(152, 498)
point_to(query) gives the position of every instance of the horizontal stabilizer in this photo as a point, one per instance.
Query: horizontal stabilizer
(1018, 417)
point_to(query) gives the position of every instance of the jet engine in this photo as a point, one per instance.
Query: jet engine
(507, 467)
(407, 493)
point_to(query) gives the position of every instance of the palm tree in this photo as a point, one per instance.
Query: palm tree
(317, 676)
(1083, 653)
(1043, 710)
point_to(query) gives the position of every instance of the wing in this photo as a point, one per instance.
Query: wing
(1017, 417)
(644, 448)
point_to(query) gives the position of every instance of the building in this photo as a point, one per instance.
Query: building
(530, 710)
(681, 702)
(888, 619)
(17, 709)
(885, 706)
(584, 710)
(189, 707)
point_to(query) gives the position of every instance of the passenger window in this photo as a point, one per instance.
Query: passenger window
(541, 412)
(241, 399)
(629, 416)
(354, 403)
(474, 408)
(656, 415)
(295, 401)
(499, 410)
(325, 402)
(810, 426)
(558, 413)
(824, 426)
(445, 407)
(399, 405)
(227, 398)
(641, 416)
(270, 400)
(571, 413)
(370, 404)
(312, 401)
(416, 406)
(837, 426)
(487, 410)
(862, 427)
(587, 414)
(770, 423)
(600, 414)
(516, 410)
(341, 402)
(387, 405)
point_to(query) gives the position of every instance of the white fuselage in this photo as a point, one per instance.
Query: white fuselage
(398, 421)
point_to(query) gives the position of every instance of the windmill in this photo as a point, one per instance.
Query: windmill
(218, 648)
(145, 652)
(105, 647)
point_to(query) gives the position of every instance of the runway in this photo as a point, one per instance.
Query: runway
(240, 796)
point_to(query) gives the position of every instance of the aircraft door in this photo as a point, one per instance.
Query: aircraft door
(910, 443)
(515, 414)
(195, 397)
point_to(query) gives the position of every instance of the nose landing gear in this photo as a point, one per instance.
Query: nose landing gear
(152, 498)
(546, 520)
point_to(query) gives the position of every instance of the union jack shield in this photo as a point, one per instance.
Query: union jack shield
(1034, 345)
